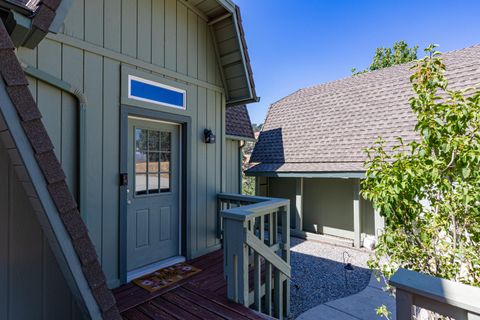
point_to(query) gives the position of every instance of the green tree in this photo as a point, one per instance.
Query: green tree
(387, 57)
(428, 190)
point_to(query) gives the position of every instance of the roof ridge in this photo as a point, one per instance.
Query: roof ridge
(375, 72)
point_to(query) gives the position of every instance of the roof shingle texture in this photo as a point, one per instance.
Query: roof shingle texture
(326, 128)
(238, 122)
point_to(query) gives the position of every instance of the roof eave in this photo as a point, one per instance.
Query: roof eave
(323, 174)
(240, 138)
(250, 96)
(233, 103)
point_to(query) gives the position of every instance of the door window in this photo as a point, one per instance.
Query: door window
(152, 161)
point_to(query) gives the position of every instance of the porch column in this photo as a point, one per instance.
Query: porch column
(379, 223)
(299, 205)
(356, 213)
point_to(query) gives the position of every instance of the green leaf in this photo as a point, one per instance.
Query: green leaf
(466, 172)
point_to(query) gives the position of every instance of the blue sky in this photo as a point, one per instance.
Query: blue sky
(299, 43)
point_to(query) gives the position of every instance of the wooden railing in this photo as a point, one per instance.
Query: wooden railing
(448, 298)
(256, 237)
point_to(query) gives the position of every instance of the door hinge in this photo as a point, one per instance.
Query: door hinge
(123, 179)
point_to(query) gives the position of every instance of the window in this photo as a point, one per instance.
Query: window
(152, 161)
(153, 92)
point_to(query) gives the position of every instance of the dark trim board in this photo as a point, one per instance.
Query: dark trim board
(340, 175)
(239, 138)
(186, 158)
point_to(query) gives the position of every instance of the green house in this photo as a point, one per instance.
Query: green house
(312, 146)
(120, 123)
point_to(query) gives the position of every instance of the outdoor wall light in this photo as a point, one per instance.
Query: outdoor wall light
(209, 136)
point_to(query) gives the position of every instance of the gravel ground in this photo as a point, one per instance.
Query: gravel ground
(318, 274)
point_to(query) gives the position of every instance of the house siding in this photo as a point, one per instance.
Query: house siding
(327, 204)
(233, 165)
(33, 286)
(284, 188)
(98, 41)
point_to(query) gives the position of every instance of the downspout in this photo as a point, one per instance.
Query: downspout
(240, 161)
(82, 107)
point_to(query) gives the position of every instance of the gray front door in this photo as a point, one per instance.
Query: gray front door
(153, 214)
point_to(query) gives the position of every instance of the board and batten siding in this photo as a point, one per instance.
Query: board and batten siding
(161, 38)
(32, 284)
(327, 204)
(233, 166)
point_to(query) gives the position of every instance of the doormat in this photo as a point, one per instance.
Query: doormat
(164, 277)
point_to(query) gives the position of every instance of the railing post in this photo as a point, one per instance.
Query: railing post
(236, 261)
(286, 255)
(257, 273)
(404, 304)
(219, 218)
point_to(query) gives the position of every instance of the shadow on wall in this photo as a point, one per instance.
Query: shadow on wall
(269, 149)
(317, 279)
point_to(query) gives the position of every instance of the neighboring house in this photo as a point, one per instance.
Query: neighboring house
(311, 148)
(238, 132)
(113, 115)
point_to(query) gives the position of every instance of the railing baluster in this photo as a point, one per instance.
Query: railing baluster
(278, 296)
(262, 228)
(257, 282)
(247, 243)
(274, 222)
(286, 254)
(268, 270)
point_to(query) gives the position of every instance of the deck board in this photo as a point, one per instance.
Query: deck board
(202, 296)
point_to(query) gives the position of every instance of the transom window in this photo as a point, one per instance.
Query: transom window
(152, 161)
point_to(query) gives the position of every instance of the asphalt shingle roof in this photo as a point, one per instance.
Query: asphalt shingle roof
(325, 128)
(238, 122)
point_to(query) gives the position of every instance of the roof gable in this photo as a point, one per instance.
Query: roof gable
(225, 24)
(237, 122)
(328, 126)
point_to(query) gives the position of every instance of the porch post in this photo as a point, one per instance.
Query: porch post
(299, 205)
(356, 213)
(379, 223)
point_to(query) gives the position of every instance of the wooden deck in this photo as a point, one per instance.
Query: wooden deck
(202, 296)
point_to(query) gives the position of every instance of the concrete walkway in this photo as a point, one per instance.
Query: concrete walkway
(359, 306)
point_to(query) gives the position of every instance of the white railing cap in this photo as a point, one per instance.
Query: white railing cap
(446, 291)
(253, 210)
